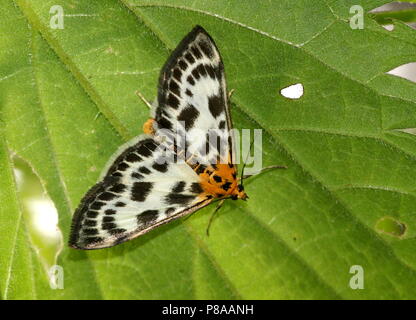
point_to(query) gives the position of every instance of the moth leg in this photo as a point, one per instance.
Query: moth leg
(213, 214)
(262, 170)
(147, 103)
(230, 93)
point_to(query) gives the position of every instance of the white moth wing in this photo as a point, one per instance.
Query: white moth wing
(137, 193)
(192, 98)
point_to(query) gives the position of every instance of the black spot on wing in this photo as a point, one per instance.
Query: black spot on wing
(118, 188)
(110, 212)
(169, 211)
(195, 73)
(90, 223)
(90, 231)
(177, 74)
(122, 166)
(160, 167)
(190, 80)
(189, 57)
(117, 231)
(144, 170)
(174, 87)
(146, 148)
(141, 190)
(108, 226)
(178, 198)
(92, 214)
(221, 125)
(109, 219)
(91, 240)
(196, 188)
(96, 205)
(108, 223)
(206, 49)
(195, 51)
(137, 176)
(106, 196)
(133, 157)
(120, 204)
(179, 187)
(182, 64)
(211, 71)
(200, 169)
(147, 217)
(189, 93)
(173, 101)
(151, 144)
(201, 70)
(216, 105)
(188, 115)
(164, 123)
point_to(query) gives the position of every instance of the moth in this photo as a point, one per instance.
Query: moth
(140, 190)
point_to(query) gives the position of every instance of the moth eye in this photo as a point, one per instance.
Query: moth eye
(234, 197)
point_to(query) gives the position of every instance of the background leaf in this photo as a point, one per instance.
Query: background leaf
(67, 102)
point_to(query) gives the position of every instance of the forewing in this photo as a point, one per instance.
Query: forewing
(142, 189)
(192, 98)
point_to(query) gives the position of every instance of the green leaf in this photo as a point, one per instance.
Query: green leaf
(68, 101)
(385, 17)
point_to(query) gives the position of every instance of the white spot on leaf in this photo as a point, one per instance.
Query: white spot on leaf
(294, 91)
(44, 217)
(408, 130)
(388, 27)
(406, 71)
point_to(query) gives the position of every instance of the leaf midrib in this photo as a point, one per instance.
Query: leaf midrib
(55, 161)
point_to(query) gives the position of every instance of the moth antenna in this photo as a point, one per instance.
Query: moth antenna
(245, 162)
